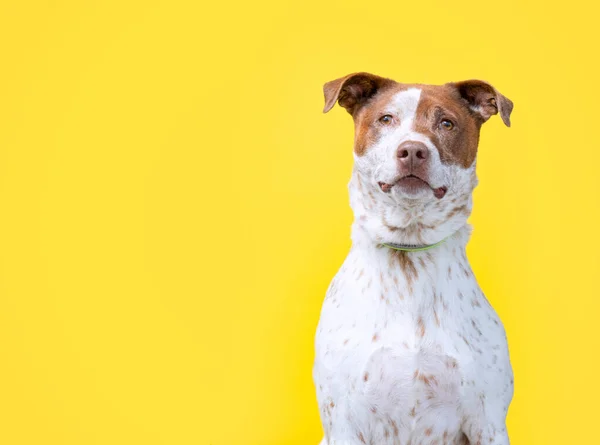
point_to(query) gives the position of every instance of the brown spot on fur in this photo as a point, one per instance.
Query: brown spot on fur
(422, 226)
(465, 340)
(366, 376)
(375, 337)
(395, 428)
(428, 431)
(463, 268)
(371, 196)
(420, 327)
(451, 364)
(360, 187)
(427, 380)
(361, 438)
(388, 226)
(406, 265)
(463, 440)
(457, 210)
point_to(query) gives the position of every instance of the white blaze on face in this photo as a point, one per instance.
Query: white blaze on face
(404, 104)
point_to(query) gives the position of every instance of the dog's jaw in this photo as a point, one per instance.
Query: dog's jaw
(392, 218)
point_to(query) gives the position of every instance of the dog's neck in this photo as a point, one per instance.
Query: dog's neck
(380, 218)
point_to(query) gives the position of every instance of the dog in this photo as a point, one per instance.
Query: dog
(408, 349)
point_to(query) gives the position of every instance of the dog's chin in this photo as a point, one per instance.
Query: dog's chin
(412, 187)
(411, 194)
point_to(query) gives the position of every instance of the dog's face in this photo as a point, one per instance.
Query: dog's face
(416, 142)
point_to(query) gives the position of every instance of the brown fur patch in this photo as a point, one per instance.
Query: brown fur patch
(366, 120)
(458, 145)
(456, 211)
(352, 91)
(395, 428)
(406, 265)
(420, 327)
(485, 99)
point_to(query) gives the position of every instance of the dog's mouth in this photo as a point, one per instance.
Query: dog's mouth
(413, 184)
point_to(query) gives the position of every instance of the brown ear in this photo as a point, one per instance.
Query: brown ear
(485, 100)
(352, 91)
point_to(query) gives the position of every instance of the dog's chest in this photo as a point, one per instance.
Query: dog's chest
(397, 338)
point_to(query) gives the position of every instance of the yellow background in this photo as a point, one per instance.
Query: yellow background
(174, 205)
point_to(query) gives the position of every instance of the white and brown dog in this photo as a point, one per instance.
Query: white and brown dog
(408, 350)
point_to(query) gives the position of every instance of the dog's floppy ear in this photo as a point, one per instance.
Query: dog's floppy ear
(484, 99)
(352, 91)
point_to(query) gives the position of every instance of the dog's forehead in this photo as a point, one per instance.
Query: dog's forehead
(402, 97)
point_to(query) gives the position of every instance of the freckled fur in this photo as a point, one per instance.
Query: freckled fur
(408, 350)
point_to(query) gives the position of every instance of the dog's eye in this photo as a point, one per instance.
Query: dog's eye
(386, 120)
(447, 124)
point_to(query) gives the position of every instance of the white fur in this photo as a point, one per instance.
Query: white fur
(404, 359)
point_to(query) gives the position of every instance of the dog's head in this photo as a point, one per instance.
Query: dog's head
(416, 144)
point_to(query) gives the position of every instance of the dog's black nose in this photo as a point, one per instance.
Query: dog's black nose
(412, 153)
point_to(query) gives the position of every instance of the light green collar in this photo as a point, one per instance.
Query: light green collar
(413, 248)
